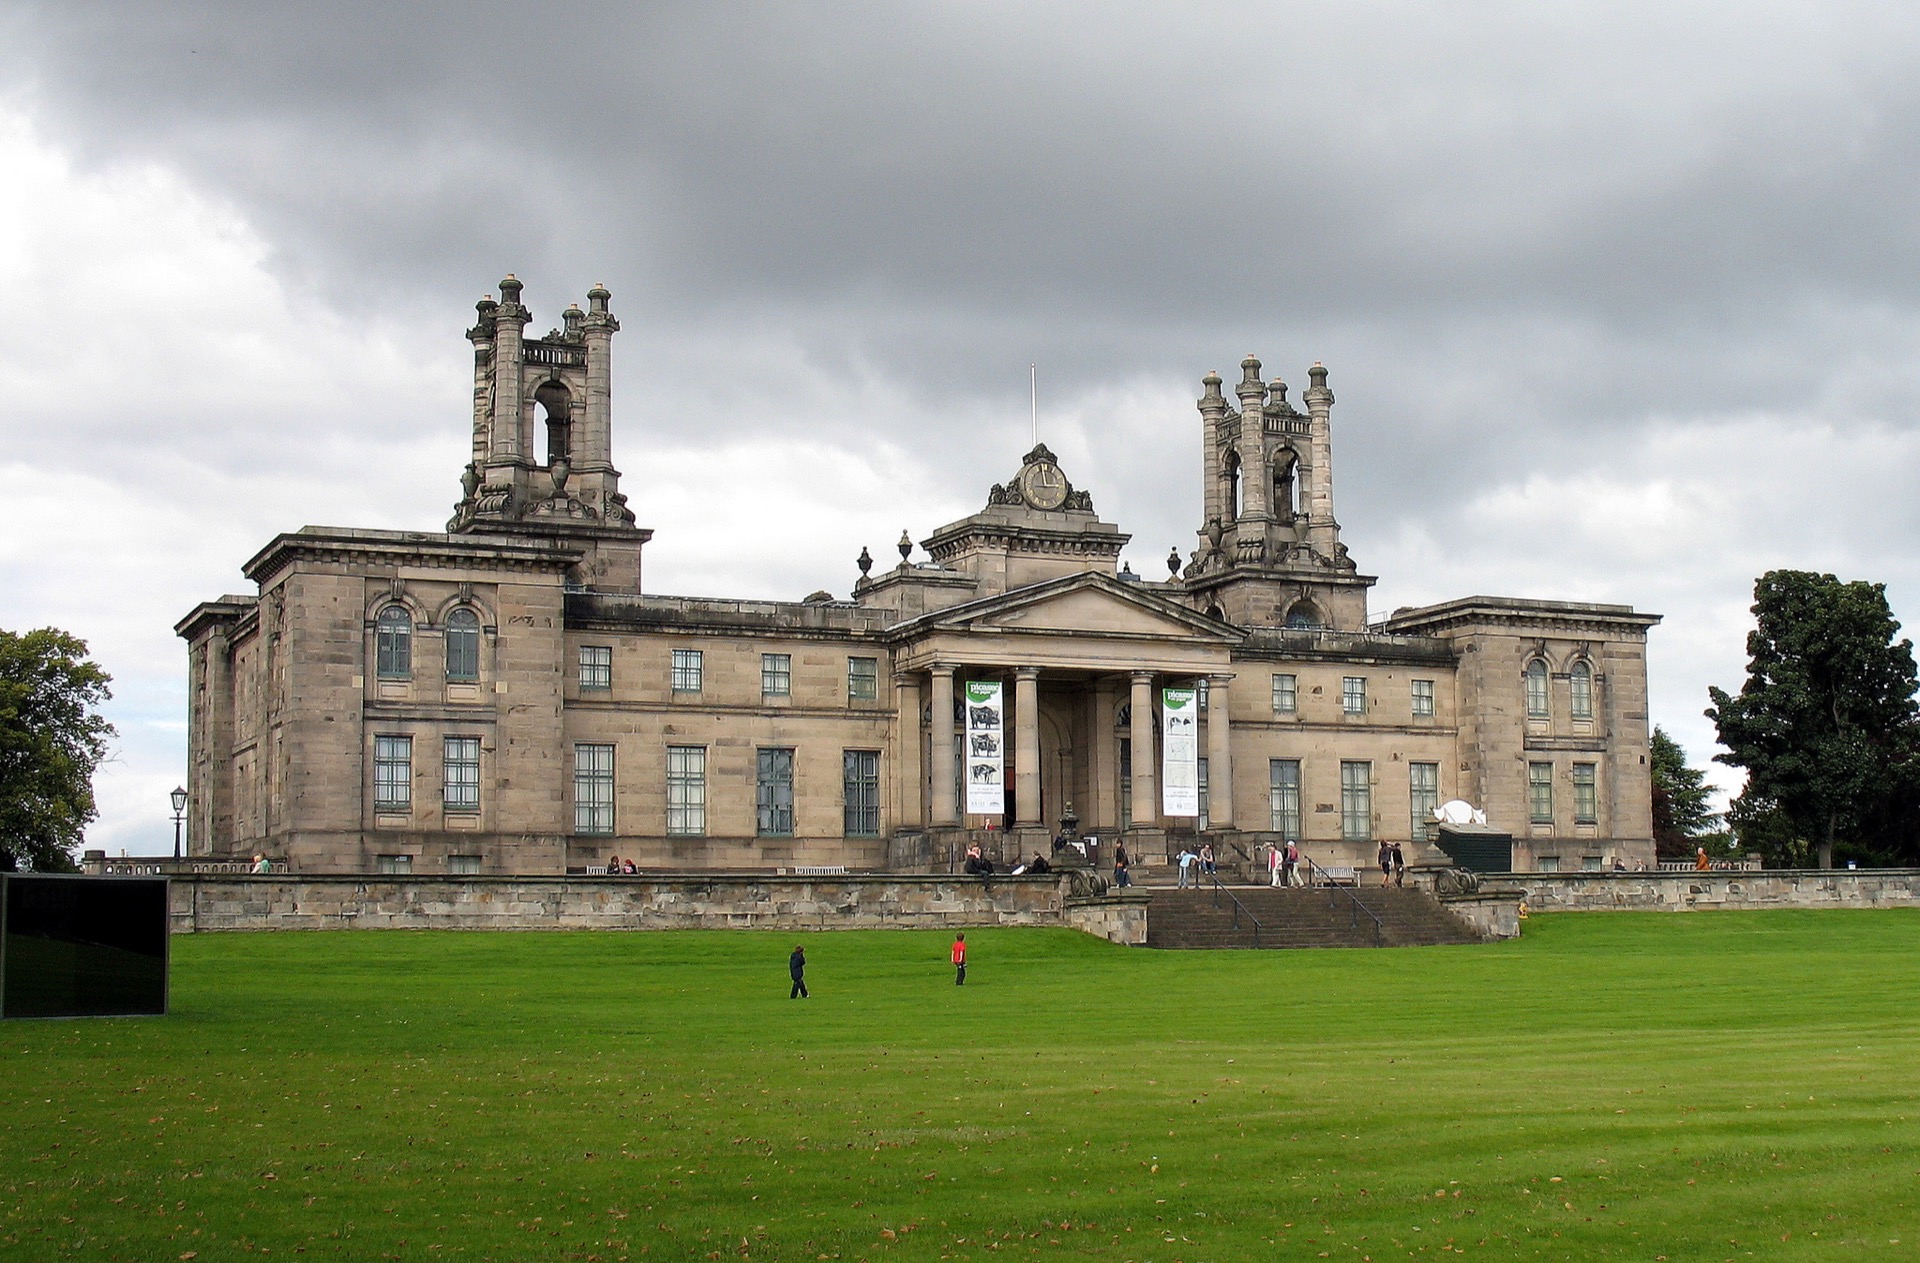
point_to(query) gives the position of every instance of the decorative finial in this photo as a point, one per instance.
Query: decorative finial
(864, 561)
(905, 545)
(1250, 371)
(1173, 561)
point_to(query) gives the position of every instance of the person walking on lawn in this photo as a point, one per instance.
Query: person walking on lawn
(959, 957)
(797, 970)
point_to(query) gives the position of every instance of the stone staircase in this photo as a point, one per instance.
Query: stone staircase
(1301, 917)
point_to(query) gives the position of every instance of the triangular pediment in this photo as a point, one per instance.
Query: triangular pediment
(1079, 605)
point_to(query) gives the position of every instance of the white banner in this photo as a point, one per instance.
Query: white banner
(985, 751)
(1179, 752)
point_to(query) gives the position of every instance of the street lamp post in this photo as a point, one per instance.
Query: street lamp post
(179, 797)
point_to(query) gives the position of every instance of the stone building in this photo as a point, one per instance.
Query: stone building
(505, 696)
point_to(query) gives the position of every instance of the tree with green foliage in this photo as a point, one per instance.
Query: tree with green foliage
(1681, 817)
(1825, 725)
(52, 737)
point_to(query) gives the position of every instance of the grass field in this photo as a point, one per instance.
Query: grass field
(1634, 1086)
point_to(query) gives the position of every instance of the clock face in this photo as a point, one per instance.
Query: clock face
(1043, 485)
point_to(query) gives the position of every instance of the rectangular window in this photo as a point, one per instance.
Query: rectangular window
(460, 779)
(861, 787)
(776, 675)
(687, 790)
(593, 789)
(774, 793)
(863, 679)
(1126, 782)
(1423, 697)
(1284, 781)
(1200, 692)
(1590, 863)
(1540, 792)
(1356, 801)
(596, 668)
(393, 773)
(1586, 797)
(1423, 795)
(1353, 695)
(1286, 694)
(686, 670)
(463, 865)
(1548, 864)
(393, 865)
(1200, 768)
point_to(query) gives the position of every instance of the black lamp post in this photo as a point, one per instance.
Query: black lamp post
(179, 797)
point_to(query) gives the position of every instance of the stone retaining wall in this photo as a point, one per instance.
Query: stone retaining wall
(1689, 891)
(718, 901)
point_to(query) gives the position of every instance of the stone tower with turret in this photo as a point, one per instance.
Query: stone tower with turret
(542, 460)
(1270, 553)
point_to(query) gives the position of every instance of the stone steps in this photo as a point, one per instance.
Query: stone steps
(1313, 917)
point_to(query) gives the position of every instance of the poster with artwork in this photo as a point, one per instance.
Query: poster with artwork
(985, 749)
(1179, 752)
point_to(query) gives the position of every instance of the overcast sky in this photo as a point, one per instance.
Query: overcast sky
(1620, 302)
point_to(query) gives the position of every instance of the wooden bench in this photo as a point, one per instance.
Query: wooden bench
(1337, 875)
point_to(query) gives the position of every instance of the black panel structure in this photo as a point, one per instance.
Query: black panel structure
(1477, 848)
(82, 946)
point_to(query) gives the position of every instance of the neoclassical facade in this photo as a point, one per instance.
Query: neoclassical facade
(505, 696)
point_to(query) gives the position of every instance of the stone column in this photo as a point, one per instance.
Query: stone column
(1026, 747)
(1146, 794)
(909, 812)
(1219, 755)
(940, 750)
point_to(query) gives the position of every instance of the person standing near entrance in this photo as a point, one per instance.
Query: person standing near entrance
(1121, 877)
(959, 960)
(1276, 866)
(1187, 876)
(1290, 865)
(1386, 863)
(797, 970)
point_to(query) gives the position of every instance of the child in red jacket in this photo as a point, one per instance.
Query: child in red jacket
(959, 960)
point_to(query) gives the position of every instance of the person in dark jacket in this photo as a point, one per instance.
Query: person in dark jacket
(797, 969)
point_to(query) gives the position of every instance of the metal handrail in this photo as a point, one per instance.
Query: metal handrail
(1238, 907)
(1379, 929)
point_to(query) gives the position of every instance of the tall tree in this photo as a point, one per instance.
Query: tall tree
(52, 736)
(1825, 725)
(1680, 813)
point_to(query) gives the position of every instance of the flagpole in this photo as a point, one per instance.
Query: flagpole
(1033, 393)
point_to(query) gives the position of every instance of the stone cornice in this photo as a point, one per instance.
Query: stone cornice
(1522, 616)
(794, 620)
(209, 615)
(335, 546)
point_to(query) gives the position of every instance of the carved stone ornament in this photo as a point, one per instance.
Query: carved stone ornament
(1041, 485)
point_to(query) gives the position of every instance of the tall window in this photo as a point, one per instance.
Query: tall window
(1581, 680)
(1286, 694)
(1423, 697)
(460, 774)
(596, 668)
(1356, 801)
(1537, 690)
(1200, 692)
(774, 793)
(393, 773)
(686, 670)
(861, 785)
(463, 645)
(1586, 797)
(1283, 776)
(1126, 780)
(1200, 771)
(393, 643)
(593, 788)
(863, 679)
(687, 790)
(1423, 795)
(1540, 792)
(1353, 695)
(776, 675)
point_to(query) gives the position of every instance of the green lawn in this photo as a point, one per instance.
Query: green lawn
(1636, 1086)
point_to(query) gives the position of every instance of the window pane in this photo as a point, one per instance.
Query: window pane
(776, 674)
(1586, 798)
(861, 770)
(463, 865)
(596, 668)
(393, 772)
(687, 790)
(593, 789)
(863, 678)
(1582, 683)
(461, 788)
(1537, 690)
(1356, 801)
(1540, 792)
(1423, 697)
(1353, 695)
(1284, 780)
(1423, 795)
(686, 670)
(393, 644)
(463, 645)
(1285, 694)
(774, 793)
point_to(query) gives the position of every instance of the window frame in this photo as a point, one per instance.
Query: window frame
(393, 643)
(776, 675)
(1353, 688)
(595, 665)
(1422, 703)
(1586, 793)
(860, 793)
(1356, 800)
(688, 671)
(393, 792)
(1422, 820)
(1539, 689)
(462, 794)
(863, 672)
(1540, 793)
(686, 791)
(461, 635)
(1289, 693)
(773, 782)
(1580, 690)
(593, 788)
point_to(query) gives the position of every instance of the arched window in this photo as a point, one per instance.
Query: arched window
(393, 643)
(1537, 690)
(557, 403)
(1286, 504)
(1305, 614)
(1231, 474)
(463, 645)
(1582, 680)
